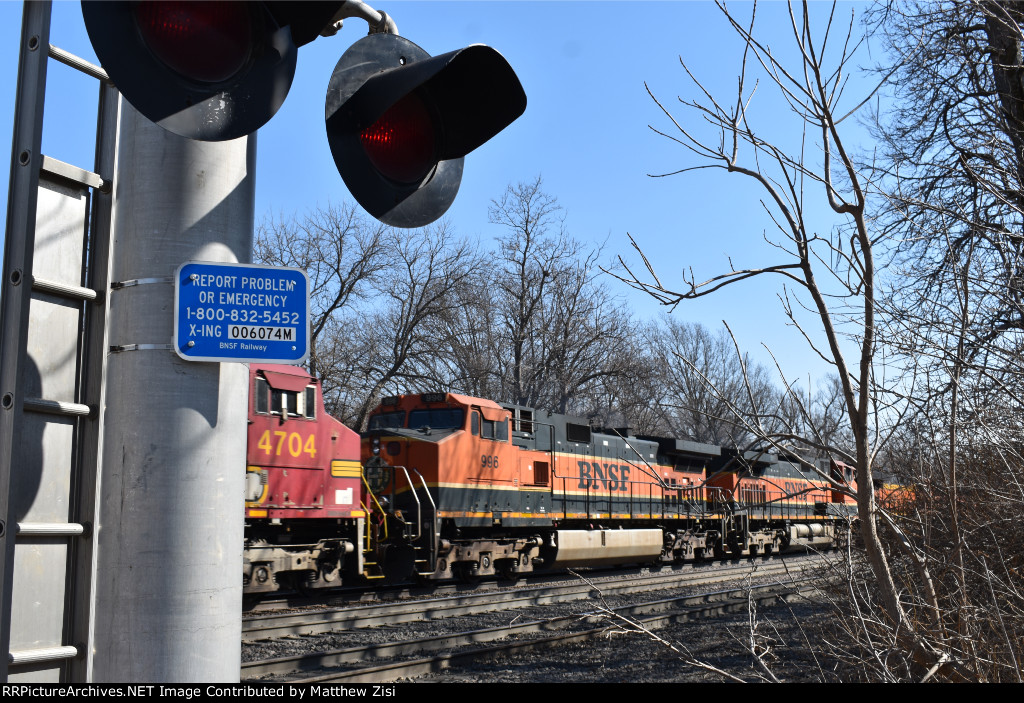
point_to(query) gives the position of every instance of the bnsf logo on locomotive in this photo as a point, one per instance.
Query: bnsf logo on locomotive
(611, 477)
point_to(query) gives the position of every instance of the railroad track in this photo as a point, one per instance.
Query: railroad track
(532, 633)
(309, 622)
(355, 597)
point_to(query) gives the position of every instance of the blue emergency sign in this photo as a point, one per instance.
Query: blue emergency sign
(241, 312)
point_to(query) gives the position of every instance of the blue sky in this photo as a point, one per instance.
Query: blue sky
(585, 131)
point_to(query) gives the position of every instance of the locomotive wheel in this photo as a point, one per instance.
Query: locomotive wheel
(508, 569)
(303, 581)
(466, 572)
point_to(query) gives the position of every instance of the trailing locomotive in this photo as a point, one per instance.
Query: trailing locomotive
(471, 488)
(444, 485)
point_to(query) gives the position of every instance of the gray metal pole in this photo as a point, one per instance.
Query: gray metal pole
(169, 538)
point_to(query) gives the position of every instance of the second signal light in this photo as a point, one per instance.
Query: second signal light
(400, 121)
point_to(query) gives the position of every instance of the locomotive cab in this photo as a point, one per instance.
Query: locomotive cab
(469, 452)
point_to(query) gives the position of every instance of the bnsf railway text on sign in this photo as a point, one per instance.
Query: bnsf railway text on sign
(241, 312)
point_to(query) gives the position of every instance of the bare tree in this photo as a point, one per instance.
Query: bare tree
(834, 276)
(953, 147)
(342, 252)
(634, 398)
(952, 167)
(393, 342)
(342, 372)
(540, 328)
(530, 255)
(705, 382)
(468, 364)
(376, 296)
(586, 330)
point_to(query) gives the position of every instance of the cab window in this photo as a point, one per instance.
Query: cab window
(393, 419)
(262, 393)
(437, 418)
(310, 402)
(495, 429)
(285, 403)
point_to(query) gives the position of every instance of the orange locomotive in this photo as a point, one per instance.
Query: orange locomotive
(445, 485)
(466, 487)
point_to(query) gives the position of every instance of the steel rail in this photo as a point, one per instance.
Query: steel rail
(258, 628)
(665, 611)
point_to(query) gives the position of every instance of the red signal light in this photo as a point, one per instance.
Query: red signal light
(400, 122)
(202, 41)
(204, 70)
(401, 143)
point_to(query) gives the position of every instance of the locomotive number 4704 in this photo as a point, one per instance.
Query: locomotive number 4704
(290, 441)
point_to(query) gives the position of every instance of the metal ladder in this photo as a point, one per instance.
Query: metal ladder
(369, 537)
(52, 362)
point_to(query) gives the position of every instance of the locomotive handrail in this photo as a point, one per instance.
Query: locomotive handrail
(254, 547)
(372, 495)
(415, 496)
(551, 449)
(692, 499)
(721, 498)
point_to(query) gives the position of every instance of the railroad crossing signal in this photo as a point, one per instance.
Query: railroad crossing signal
(399, 122)
(204, 70)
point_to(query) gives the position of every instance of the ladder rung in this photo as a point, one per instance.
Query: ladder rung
(50, 529)
(43, 654)
(63, 289)
(74, 174)
(76, 62)
(56, 407)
